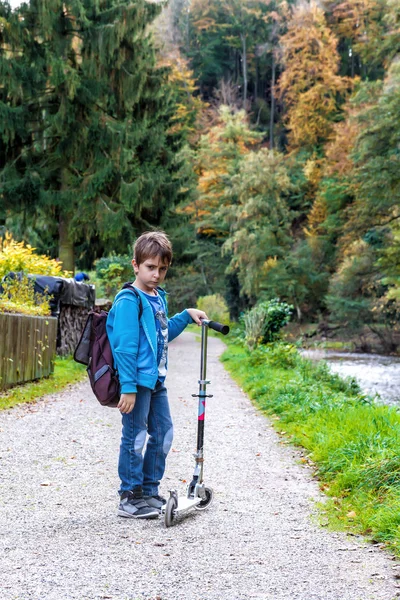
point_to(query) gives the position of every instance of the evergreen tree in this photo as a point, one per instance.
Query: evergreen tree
(87, 139)
(211, 57)
(259, 219)
(376, 158)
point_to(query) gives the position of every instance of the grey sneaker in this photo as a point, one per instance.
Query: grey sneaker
(157, 501)
(133, 506)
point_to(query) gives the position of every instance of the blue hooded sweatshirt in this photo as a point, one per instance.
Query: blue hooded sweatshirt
(133, 343)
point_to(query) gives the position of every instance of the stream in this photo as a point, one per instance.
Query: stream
(375, 373)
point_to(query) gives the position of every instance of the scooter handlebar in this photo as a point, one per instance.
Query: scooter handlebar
(224, 329)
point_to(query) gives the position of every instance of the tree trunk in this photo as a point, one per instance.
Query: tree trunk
(352, 63)
(272, 112)
(244, 67)
(298, 311)
(256, 79)
(237, 66)
(188, 29)
(65, 246)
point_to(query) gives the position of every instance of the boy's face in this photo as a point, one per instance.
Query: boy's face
(150, 273)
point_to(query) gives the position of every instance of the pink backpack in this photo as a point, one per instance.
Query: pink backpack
(94, 350)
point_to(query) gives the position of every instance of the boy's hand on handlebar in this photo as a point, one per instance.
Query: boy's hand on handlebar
(126, 403)
(197, 315)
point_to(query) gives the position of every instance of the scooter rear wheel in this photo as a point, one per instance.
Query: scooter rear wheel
(169, 515)
(207, 500)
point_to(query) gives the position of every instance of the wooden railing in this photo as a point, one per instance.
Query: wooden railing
(27, 348)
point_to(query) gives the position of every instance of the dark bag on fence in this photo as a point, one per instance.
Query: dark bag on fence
(94, 350)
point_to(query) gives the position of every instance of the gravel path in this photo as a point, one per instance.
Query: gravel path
(60, 538)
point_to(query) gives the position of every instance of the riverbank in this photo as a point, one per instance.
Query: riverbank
(330, 337)
(352, 443)
(378, 375)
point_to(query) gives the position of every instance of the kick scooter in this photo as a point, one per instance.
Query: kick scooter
(198, 495)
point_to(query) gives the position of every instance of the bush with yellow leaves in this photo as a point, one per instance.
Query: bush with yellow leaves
(18, 256)
(18, 294)
(19, 297)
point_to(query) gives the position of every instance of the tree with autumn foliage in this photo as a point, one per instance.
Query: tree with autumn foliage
(187, 104)
(372, 224)
(208, 169)
(216, 161)
(310, 85)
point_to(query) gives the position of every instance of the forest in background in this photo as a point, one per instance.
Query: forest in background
(264, 136)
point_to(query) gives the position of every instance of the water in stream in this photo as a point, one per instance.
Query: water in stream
(376, 374)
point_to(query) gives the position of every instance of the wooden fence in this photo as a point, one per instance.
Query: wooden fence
(27, 348)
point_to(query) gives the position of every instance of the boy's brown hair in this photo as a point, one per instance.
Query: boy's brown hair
(152, 243)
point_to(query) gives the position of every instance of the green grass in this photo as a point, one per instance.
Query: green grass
(66, 371)
(352, 443)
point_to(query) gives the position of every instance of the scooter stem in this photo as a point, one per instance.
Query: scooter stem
(202, 395)
(202, 401)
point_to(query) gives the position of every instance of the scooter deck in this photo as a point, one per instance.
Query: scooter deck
(185, 504)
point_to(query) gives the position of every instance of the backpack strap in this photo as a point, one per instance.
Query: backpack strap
(130, 286)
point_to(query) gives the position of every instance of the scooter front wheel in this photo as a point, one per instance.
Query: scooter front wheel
(205, 503)
(169, 514)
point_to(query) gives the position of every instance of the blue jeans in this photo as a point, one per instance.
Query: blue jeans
(150, 416)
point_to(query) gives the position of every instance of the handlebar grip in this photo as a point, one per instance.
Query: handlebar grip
(224, 329)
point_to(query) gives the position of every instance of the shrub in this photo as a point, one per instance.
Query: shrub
(254, 324)
(19, 297)
(113, 271)
(215, 307)
(265, 320)
(18, 256)
(279, 354)
(277, 315)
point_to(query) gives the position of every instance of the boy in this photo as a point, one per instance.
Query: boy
(141, 358)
